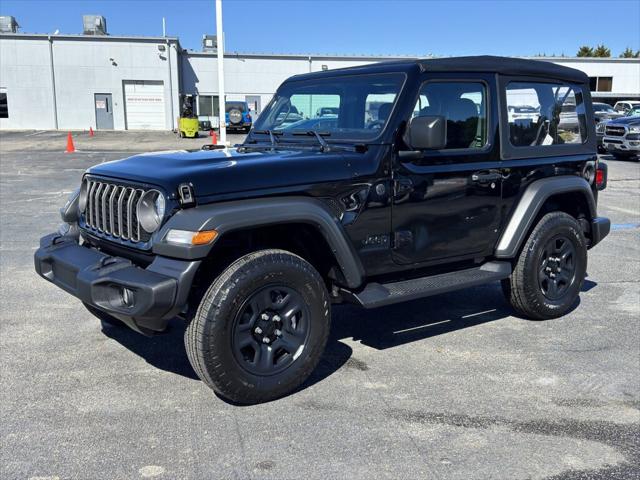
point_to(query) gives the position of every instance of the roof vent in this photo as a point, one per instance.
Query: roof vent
(94, 25)
(8, 24)
(209, 43)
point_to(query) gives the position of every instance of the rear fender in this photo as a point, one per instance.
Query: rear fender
(530, 204)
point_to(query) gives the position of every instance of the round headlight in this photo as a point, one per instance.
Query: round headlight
(84, 194)
(151, 210)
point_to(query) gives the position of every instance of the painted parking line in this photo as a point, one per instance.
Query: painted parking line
(625, 226)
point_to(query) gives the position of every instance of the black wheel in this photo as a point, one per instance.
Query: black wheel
(261, 327)
(549, 272)
(104, 317)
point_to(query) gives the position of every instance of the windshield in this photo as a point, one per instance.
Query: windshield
(602, 107)
(355, 107)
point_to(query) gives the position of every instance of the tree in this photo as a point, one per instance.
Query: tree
(585, 51)
(628, 53)
(601, 51)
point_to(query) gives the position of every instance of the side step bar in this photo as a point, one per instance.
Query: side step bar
(377, 294)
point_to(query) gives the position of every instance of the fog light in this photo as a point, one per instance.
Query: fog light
(127, 297)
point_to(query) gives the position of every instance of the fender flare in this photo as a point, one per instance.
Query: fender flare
(226, 217)
(530, 204)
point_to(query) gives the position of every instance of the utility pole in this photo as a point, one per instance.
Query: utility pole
(222, 139)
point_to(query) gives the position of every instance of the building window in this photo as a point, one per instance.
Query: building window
(600, 84)
(4, 108)
(208, 105)
(604, 84)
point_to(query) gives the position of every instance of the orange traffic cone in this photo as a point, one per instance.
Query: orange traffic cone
(70, 147)
(91, 131)
(214, 138)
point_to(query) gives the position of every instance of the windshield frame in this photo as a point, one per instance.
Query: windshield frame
(290, 138)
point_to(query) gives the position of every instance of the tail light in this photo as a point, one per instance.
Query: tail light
(601, 176)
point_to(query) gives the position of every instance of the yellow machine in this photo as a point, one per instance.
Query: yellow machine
(188, 124)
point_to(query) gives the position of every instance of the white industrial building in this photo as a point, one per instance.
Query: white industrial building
(127, 83)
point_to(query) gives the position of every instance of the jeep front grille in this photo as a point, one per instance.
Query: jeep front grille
(112, 211)
(614, 131)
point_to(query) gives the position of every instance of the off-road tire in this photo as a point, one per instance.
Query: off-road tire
(210, 333)
(522, 289)
(105, 319)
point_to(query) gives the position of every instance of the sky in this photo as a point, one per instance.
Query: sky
(371, 27)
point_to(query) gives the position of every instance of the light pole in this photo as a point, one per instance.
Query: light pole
(222, 140)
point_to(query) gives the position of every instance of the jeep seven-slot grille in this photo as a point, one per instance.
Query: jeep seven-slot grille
(112, 211)
(614, 131)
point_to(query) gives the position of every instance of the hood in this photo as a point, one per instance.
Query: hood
(634, 120)
(217, 172)
(606, 115)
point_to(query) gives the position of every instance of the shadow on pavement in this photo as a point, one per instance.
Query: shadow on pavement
(381, 328)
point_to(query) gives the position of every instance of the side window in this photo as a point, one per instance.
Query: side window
(542, 114)
(464, 106)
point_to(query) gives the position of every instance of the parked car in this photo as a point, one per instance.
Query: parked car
(634, 111)
(252, 245)
(327, 111)
(622, 137)
(238, 116)
(523, 112)
(600, 136)
(624, 106)
(604, 111)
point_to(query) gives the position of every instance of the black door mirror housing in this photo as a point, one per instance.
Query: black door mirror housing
(427, 133)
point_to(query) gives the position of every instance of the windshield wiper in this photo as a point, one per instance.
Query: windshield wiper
(324, 146)
(272, 135)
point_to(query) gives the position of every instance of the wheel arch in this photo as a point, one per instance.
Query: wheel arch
(570, 194)
(256, 218)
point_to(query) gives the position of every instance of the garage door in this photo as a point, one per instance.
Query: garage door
(144, 105)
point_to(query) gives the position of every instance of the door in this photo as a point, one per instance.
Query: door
(104, 111)
(446, 204)
(144, 105)
(254, 104)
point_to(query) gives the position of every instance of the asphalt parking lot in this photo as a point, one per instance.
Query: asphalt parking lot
(449, 387)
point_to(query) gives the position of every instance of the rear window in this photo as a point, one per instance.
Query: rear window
(555, 114)
(242, 106)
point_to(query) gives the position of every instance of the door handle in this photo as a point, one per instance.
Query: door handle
(486, 177)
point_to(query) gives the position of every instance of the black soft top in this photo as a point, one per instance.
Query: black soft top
(504, 66)
(483, 63)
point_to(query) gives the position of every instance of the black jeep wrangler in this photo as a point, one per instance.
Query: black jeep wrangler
(420, 183)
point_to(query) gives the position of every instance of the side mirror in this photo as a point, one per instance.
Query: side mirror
(427, 133)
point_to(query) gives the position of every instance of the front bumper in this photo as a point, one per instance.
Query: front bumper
(621, 145)
(143, 298)
(600, 227)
